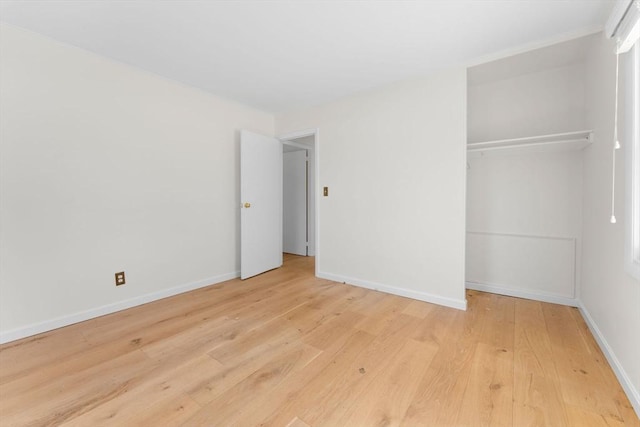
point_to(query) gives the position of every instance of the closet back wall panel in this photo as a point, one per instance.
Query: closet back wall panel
(536, 265)
(524, 221)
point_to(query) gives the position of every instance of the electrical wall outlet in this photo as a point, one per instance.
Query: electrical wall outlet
(120, 278)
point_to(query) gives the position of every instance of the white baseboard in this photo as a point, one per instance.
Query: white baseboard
(59, 322)
(554, 299)
(421, 296)
(631, 392)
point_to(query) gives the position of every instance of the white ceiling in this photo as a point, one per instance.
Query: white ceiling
(283, 55)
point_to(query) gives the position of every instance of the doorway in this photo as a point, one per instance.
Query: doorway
(299, 201)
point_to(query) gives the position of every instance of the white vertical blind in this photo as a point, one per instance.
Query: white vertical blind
(624, 26)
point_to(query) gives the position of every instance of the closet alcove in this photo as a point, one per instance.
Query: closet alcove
(527, 129)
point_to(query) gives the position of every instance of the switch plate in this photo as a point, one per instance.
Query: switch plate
(120, 278)
(326, 191)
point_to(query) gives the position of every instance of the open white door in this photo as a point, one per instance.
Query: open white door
(261, 198)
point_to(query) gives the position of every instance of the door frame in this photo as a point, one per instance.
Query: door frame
(316, 153)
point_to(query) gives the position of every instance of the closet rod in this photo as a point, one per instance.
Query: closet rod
(580, 137)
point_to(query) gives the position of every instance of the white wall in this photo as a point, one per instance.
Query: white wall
(528, 193)
(524, 222)
(107, 168)
(544, 102)
(394, 162)
(610, 296)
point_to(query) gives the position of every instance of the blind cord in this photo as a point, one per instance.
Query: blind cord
(616, 146)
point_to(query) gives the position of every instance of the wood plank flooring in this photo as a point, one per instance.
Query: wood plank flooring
(288, 349)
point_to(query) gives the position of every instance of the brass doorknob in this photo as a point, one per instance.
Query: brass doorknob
(247, 205)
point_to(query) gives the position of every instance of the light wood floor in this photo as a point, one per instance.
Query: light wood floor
(286, 348)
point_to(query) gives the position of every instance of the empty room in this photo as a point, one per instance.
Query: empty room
(320, 213)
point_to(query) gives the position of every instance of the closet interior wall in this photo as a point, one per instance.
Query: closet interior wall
(524, 206)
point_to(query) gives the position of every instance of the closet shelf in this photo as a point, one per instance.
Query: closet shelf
(567, 141)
